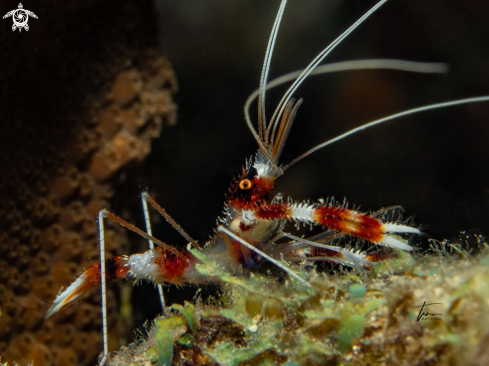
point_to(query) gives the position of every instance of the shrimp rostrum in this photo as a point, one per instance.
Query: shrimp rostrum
(254, 228)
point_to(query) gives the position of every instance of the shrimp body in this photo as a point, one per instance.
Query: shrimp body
(253, 218)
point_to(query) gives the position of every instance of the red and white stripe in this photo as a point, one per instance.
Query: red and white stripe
(341, 219)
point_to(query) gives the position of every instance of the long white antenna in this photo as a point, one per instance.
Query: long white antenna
(386, 119)
(103, 286)
(374, 64)
(317, 60)
(151, 245)
(401, 65)
(262, 121)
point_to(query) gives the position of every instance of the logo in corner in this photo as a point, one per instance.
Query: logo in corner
(20, 17)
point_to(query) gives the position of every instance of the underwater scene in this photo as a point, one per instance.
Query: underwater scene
(369, 251)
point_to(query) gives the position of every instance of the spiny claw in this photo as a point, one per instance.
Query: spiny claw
(116, 268)
(394, 241)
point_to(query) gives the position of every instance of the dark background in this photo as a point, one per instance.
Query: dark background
(434, 164)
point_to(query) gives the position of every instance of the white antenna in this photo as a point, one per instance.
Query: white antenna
(375, 64)
(103, 286)
(317, 60)
(386, 119)
(262, 121)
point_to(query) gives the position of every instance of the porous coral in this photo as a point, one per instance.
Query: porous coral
(342, 319)
(75, 115)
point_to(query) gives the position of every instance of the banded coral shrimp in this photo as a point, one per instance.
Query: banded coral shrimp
(347, 195)
(429, 163)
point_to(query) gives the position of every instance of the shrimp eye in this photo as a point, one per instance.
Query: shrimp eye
(245, 184)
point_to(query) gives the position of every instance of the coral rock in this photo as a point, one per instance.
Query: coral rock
(75, 116)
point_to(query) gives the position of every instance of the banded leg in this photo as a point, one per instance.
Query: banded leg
(106, 214)
(145, 199)
(338, 218)
(163, 264)
(103, 288)
(135, 266)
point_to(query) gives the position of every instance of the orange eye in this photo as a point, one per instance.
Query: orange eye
(245, 184)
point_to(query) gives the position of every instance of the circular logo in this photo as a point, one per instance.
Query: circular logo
(20, 17)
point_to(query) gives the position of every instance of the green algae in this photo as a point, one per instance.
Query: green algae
(188, 312)
(351, 330)
(357, 291)
(342, 319)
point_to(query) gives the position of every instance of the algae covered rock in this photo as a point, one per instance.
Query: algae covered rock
(431, 310)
